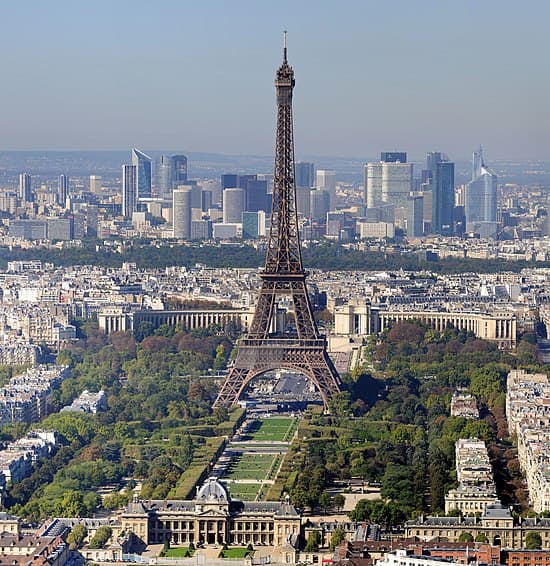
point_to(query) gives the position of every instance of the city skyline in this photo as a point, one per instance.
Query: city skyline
(416, 78)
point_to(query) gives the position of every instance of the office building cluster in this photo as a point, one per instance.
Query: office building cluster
(528, 413)
(154, 197)
(431, 204)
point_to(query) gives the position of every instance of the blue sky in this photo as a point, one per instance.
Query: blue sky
(416, 75)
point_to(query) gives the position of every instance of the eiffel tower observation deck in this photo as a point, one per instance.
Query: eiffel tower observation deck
(299, 347)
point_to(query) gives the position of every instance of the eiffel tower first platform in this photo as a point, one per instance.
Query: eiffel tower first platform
(301, 348)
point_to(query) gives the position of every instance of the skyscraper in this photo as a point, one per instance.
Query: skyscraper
(164, 176)
(393, 156)
(142, 163)
(233, 205)
(229, 181)
(62, 190)
(95, 184)
(396, 182)
(25, 188)
(257, 197)
(305, 174)
(182, 213)
(179, 170)
(171, 172)
(415, 216)
(481, 194)
(388, 181)
(129, 186)
(319, 204)
(326, 181)
(443, 194)
(373, 184)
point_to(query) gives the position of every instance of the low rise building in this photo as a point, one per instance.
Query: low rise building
(464, 404)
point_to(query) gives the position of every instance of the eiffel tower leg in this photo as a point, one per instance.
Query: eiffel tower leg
(233, 384)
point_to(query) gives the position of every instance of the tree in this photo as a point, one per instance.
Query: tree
(219, 361)
(481, 537)
(339, 501)
(325, 501)
(313, 542)
(144, 329)
(77, 536)
(337, 537)
(466, 537)
(73, 504)
(533, 541)
(102, 535)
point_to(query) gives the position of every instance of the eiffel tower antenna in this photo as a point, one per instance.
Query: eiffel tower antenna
(297, 347)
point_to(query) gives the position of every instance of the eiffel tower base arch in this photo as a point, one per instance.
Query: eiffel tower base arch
(256, 357)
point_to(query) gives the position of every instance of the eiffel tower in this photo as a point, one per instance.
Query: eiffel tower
(302, 349)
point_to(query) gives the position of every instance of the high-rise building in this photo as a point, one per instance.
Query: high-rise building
(206, 200)
(171, 172)
(179, 170)
(303, 201)
(129, 186)
(443, 195)
(201, 229)
(25, 188)
(326, 181)
(388, 182)
(244, 179)
(233, 205)
(62, 190)
(319, 204)
(415, 216)
(393, 156)
(164, 176)
(96, 182)
(253, 225)
(481, 194)
(230, 181)
(373, 184)
(182, 212)
(257, 197)
(142, 163)
(305, 174)
(397, 181)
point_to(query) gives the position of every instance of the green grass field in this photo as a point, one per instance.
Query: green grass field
(244, 491)
(178, 552)
(236, 553)
(250, 467)
(277, 429)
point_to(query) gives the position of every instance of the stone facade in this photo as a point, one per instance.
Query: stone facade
(496, 523)
(212, 518)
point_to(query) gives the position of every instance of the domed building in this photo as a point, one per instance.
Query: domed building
(212, 517)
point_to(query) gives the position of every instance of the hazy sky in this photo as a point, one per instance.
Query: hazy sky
(197, 75)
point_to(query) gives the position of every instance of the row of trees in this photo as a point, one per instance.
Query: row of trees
(324, 255)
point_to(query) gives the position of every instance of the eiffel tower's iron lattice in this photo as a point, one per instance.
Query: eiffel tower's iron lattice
(303, 349)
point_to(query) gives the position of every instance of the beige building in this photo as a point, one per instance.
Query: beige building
(212, 518)
(496, 523)
(470, 499)
(364, 319)
(119, 318)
